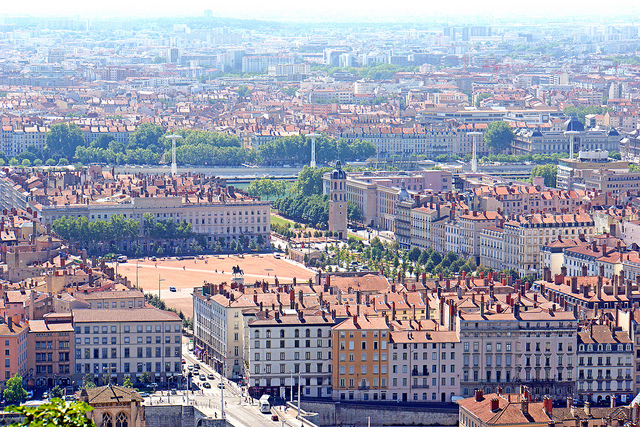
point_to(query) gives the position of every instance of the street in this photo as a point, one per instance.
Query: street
(237, 411)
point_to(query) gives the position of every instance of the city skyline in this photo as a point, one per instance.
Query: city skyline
(288, 10)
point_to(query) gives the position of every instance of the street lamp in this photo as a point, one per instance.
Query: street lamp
(474, 159)
(174, 165)
(159, 280)
(137, 282)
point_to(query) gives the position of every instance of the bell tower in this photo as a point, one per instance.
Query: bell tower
(338, 202)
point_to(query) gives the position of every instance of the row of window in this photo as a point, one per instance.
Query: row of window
(140, 367)
(126, 340)
(127, 329)
(296, 356)
(296, 333)
(296, 344)
(103, 353)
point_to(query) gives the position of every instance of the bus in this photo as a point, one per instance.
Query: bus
(265, 406)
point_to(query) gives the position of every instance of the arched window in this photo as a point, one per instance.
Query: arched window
(281, 333)
(319, 333)
(256, 334)
(107, 421)
(268, 333)
(297, 333)
(121, 420)
(307, 333)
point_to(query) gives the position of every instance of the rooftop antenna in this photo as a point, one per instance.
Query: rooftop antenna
(174, 165)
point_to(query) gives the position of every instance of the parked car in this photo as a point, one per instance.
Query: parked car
(45, 395)
(274, 417)
(202, 377)
(206, 385)
(172, 289)
(210, 376)
(197, 366)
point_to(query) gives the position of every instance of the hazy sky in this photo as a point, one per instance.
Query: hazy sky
(324, 9)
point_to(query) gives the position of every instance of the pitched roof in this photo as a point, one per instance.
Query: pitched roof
(109, 394)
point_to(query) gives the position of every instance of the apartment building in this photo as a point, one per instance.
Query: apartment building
(469, 225)
(430, 140)
(131, 298)
(424, 366)
(288, 350)
(583, 294)
(13, 335)
(360, 359)
(218, 327)
(228, 219)
(423, 222)
(376, 193)
(582, 173)
(534, 141)
(524, 236)
(127, 342)
(501, 348)
(492, 246)
(524, 199)
(51, 349)
(597, 259)
(605, 363)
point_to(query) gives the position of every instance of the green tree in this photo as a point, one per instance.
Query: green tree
(56, 391)
(414, 254)
(354, 213)
(54, 413)
(243, 91)
(63, 138)
(26, 163)
(87, 381)
(309, 180)
(498, 136)
(145, 377)
(14, 390)
(548, 172)
(145, 135)
(103, 141)
(127, 382)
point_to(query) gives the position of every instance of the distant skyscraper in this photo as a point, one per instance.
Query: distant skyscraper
(173, 55)
(208, 13)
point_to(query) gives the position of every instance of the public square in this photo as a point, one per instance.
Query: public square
(184, 275)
